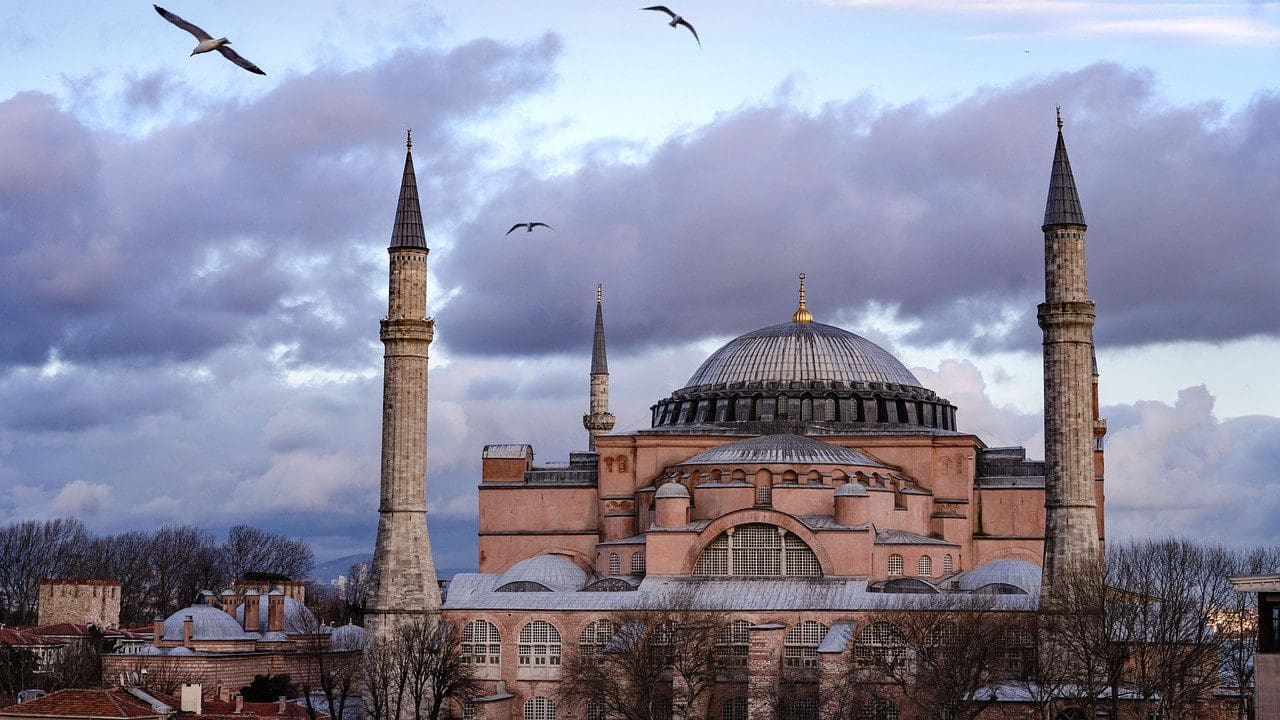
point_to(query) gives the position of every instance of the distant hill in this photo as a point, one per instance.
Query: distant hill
(327, 572)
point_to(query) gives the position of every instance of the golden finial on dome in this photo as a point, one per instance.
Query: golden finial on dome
(802, 314)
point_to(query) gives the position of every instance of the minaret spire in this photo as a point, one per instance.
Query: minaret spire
(403, 579)
(598, 421)
(1066, 318)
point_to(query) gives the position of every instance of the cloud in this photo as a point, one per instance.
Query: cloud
(932, 213)
(79, 498)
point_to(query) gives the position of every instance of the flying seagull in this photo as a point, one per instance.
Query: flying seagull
(676, 20)
(529, 226)
(207, 42)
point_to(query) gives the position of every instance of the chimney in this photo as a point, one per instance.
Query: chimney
(280, 706)
(191, 698)
(251, 610)
(275, 610)
(224, 694)
(208, 597)
(188, 630)
(229, 602)
(157, 630)
(239, 704)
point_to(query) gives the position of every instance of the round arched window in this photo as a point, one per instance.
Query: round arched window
(758, 550)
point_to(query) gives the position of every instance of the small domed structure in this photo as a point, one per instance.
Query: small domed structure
(347, 637)
(208, 624)
(852, 489)
(1005, 576)
(671, 490)
(543, 573)
(180, 651)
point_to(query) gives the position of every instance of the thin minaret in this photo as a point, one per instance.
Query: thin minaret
(403, 578)
(599, 421)
(1066, 318)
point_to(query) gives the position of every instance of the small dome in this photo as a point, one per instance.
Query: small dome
(347, 637)
(274, 636)
(228, 593)
(672, 490)
(802, 351)
(1020, 574)
(180, 651)
(208, 623)
(781, 450)
(297, 618)
(150, 650)
(555, 573)
(852, 489)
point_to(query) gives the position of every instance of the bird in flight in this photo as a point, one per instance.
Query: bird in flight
(529, 226)
(676, 20)
(208, 42)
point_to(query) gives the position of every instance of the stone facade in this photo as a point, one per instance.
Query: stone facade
(88, 602)
(403, 578)
(1066, 318)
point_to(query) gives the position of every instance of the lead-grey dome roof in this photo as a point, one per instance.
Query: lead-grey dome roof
(794, 351)
(782, 449)
(1021, 574)
(553, 572)
(207, 623)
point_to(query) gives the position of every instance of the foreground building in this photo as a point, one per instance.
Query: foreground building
(801, 479)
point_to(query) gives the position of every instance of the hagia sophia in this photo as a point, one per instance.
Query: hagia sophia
(800, 479)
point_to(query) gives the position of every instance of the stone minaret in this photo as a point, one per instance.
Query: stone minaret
(1066, 317)
(599, 421)
(403, 578)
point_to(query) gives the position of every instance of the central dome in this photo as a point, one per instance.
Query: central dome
(801, 351)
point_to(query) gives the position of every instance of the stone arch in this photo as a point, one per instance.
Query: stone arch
(1016, 553)
(756, 515)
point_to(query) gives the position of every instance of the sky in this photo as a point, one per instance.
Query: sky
(192, 258)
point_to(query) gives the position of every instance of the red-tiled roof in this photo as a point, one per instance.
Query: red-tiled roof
(261, 709)
(20, 638)
(109, 704)
(82, 630)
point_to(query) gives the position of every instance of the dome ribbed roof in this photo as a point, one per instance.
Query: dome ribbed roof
(1006, 571)
(804, 352)
(207, 623)
(781, 449)
(554, 572)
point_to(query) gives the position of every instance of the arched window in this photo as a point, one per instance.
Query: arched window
(764, 495)
(798, 708)
(735, 641)
(615, 565)
(468, 710)
(734, 708)
(594, 638)
(879, 645)
(1017, 656)
(924, 566)
(758, 550)
(881, 709)
(814, 477)
(942, 641)
(800, 647)
(539, 645)
(947, 566)
(895, 564)
(637, 563)
(481, 644)
(540, 708)
(595, 709)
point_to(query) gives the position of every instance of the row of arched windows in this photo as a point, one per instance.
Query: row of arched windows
(924, 565)
(734, 708)
(637, 564)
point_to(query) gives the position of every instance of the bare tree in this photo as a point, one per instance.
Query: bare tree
(183, 561)
(249, 549)
(332, 672)
(31, 551)
(385, 676)
(1238, 625)
(416, 671)
(124, 557)
(160, 673)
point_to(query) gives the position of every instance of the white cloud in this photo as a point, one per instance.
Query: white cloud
(78, 498)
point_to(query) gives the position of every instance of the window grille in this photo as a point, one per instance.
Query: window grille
(468, 710)
(895, 565)
(881, 710)
(879, 645)
(758, 550)
(595, 709)
(540, 708)
(735, 641)
(615, 565)
(539, 645)
(800, 647)
(943, 641)
(924, 566)
(799, 709)
(594, 638)
(637, 563)
(764, 495)
(947, 567)
(481, 644)
(734, 709)
(1017, 653)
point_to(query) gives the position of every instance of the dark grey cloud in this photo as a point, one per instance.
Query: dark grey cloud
(933, 213)
(251, 222)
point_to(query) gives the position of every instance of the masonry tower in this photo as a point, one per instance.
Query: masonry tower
(403, 579)
(599, 421)
(1066, 318)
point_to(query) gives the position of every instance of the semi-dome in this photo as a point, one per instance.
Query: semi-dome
(801, 351)
(543, 573)
(783, 449)
(1007, 575)
(207, 623)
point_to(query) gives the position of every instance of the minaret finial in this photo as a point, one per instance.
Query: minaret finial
(599, 293)
(408, 139)
(802, 314)
(1059, 117)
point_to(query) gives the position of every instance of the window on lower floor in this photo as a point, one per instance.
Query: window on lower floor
(541, 708)
(734, 708)
(735, 641)
(481, 644)
(468, 710)
(594, 638)
(800, 646)
(879, 710)
(595, 709)
(539, 644)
